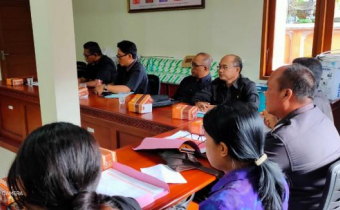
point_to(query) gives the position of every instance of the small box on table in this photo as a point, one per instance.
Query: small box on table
(183, 111)
(140, 103)
(15, 81)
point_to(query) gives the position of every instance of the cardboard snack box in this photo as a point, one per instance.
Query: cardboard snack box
(108, 157)
(5, 195)
(182, 111)
(140, 103)
(15, 81)
(196, 127)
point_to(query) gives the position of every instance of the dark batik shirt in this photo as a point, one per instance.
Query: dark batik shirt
(304, 144)
(189, 86)
(133, 76)
(243, 89)
(104, 70)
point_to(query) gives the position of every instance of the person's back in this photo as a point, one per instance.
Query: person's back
(235, 145)
(312, 144)
(58, 166)
(322, 102)
(304, 142)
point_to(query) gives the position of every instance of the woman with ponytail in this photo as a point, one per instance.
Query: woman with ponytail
(58, 166)
(235, 145)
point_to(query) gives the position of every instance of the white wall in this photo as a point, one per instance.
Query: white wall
(224, 26)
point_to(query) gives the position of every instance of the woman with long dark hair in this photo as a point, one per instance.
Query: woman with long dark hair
(58, 166)
(235, 145)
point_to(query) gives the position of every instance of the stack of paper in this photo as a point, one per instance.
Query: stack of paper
(125, 181)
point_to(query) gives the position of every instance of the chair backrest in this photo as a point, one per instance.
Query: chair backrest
(81, 67)
(331, 194)
(154, 84)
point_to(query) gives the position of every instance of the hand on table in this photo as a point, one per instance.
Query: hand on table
(204, 106)
(99, 89)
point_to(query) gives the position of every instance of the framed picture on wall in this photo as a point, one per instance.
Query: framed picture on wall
(161, 5)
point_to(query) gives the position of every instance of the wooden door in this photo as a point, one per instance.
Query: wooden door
(17, 55)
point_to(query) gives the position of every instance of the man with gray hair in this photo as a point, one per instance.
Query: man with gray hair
(230, 85)
(200, 78)
(305, 141)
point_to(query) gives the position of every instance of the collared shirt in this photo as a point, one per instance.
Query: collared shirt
(304, 144)
(130, 66)
(135, 78)
(189, 86)
(243, 89)
(321, 101)
(104, 70)
(238, 190)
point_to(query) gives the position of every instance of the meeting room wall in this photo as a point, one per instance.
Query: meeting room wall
(224, 26)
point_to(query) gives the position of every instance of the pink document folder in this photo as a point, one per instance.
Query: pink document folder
(147, 198)
(183, 145)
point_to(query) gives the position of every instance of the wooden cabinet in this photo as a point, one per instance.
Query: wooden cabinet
(101, 133)
(19, 115)
(12, 118)
(113, 135)
(33, 117)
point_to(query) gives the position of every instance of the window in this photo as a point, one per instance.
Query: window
(297, 28)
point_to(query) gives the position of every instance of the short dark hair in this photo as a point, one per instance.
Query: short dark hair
(299, 79)
(93, 47)
(314, 65)
(54, 165)
(240, 127)
(128, 47)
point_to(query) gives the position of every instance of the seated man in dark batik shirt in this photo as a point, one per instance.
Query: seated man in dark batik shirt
(229, 86)
(100, 69)
(131, 76)
(200, 78)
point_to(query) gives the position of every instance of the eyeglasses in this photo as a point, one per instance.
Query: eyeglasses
(225, 67)
(119, 56)
(87, 55)
(195, 65)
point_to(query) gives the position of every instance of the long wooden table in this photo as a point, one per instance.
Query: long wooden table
(111, 124)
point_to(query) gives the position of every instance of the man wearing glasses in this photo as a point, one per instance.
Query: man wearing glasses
(131, 76)
(229, 86)
(200, 78)
(100, 68)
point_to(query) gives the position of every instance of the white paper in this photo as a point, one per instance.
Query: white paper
(186, 134)
(165, 174)
(113, 182)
